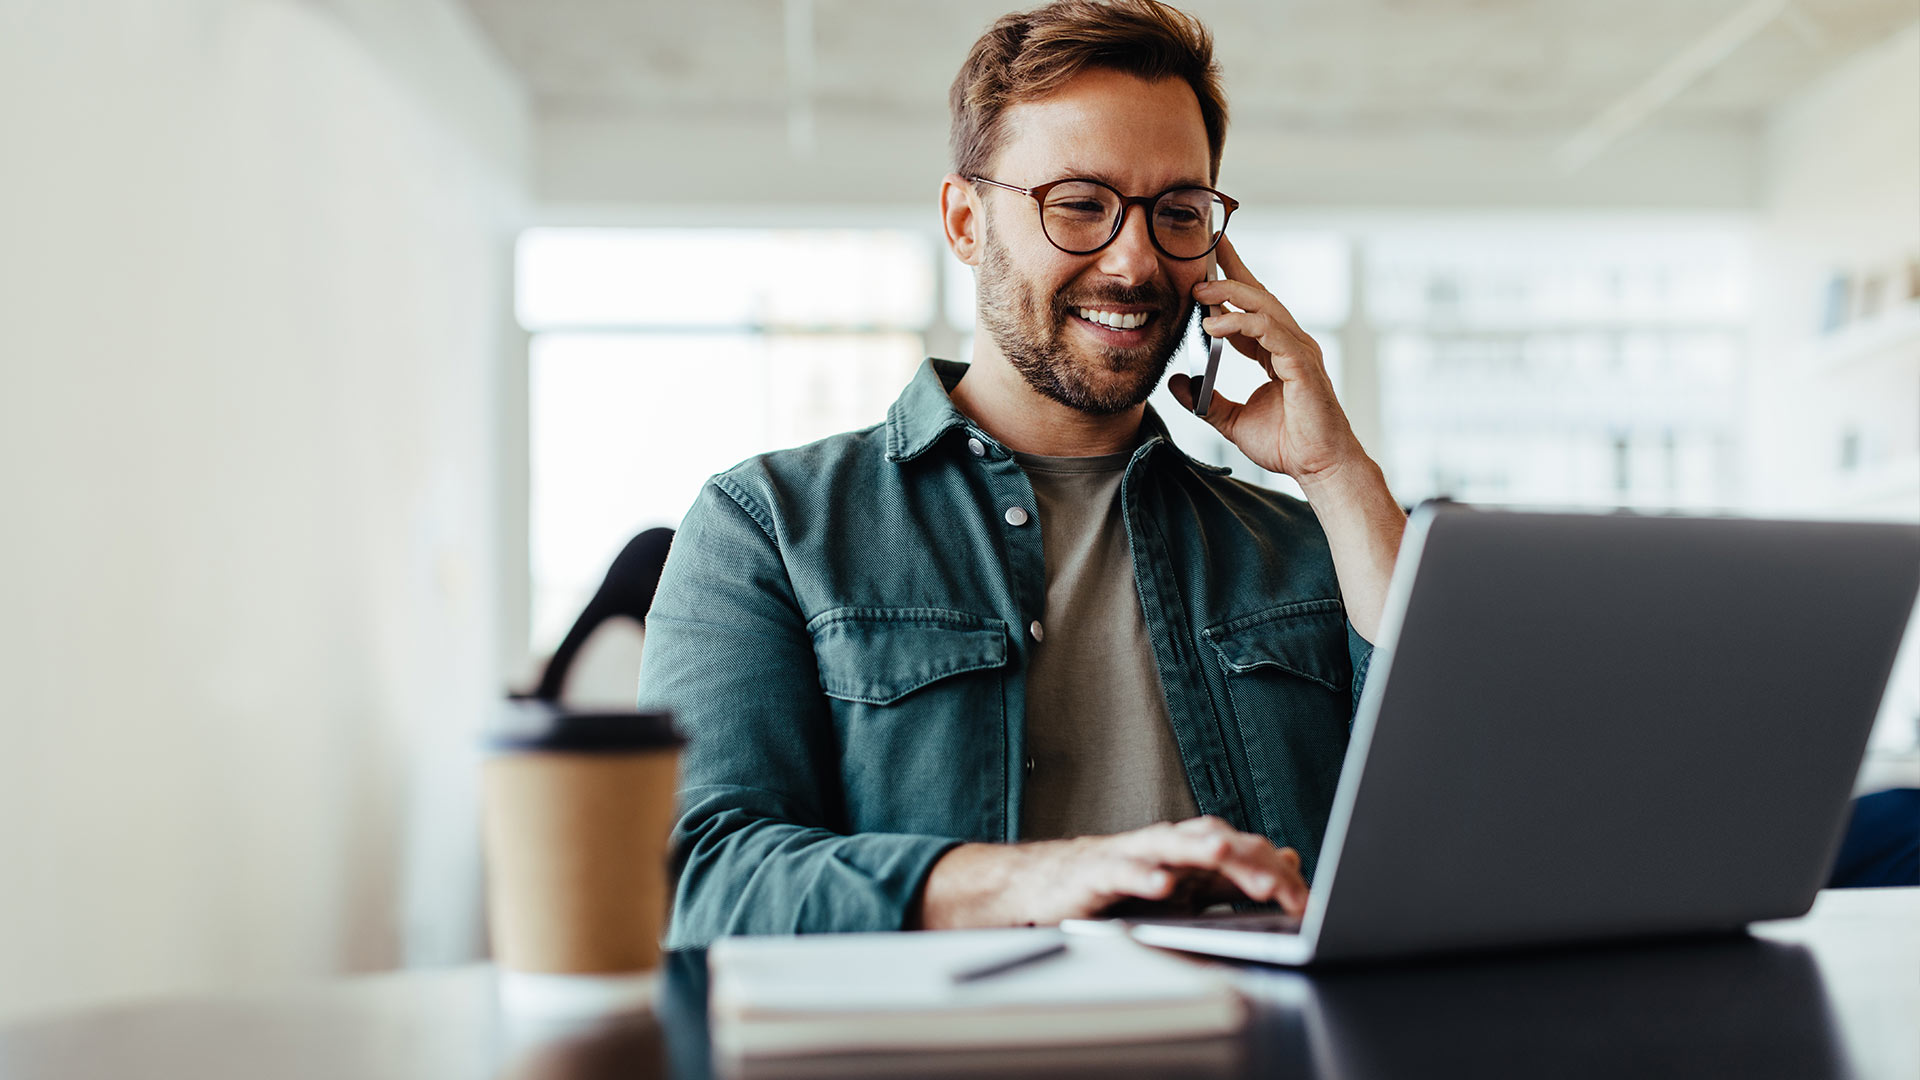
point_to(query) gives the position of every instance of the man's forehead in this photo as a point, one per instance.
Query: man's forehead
(1108, 126)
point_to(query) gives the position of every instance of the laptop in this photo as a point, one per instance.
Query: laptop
(1581, 727)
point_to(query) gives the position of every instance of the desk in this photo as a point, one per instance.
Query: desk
(1836, 994)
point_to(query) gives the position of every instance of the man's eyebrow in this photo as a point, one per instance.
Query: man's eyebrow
(1077, 173)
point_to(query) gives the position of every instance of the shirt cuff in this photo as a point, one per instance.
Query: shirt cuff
(1360, 652)
(870, 881)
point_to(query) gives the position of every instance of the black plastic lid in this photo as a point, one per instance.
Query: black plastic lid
(530, 724)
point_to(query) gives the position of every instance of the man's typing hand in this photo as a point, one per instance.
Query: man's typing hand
(1186, 864)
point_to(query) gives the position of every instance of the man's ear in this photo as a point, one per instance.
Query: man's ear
(962, 216)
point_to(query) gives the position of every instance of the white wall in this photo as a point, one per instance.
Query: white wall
(254, 313)
(608, 158)
(1842, 194)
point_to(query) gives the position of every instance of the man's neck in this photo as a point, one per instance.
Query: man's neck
(993, 395)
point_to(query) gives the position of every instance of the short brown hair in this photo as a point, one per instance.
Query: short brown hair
(1029, 54)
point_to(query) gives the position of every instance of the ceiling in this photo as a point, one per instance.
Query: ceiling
(1520, 66)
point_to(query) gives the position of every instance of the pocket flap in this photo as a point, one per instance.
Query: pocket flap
(880, 655)
(1307, 639)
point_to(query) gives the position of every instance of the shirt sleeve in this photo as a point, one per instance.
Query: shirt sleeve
(1360, 652)
(759, 846)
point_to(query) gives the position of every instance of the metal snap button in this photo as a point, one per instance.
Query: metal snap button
(1016, 516)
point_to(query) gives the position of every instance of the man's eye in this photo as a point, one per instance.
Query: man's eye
(1080, 206)
(1179, 217)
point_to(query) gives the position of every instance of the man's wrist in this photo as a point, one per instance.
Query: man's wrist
(965, 887)
(1354, 478)
(1364, 524)
(975, 886)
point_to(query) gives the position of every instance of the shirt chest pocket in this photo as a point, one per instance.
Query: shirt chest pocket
(1288, 678)
(918, 697)
(877, 656)
(1305, 640)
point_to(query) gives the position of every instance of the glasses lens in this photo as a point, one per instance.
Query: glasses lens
(1187, 221)
(1078, 216)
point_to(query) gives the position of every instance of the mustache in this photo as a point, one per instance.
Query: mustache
(1146, 295)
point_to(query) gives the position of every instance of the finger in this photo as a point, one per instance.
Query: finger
(1178, 845)
(1282, 864)
(1289, 888)
(1290, 355)
(1220, 410)
(1250, 862)
(1206, 887)
(1258, 868)
(1210, 888)
(1285, 317)
(1277, 335)
(1238, 293)
(1247, 294)
(1230, 263)
(1183, 387)
(1293, 891)
(1249, 326)
(1205, 824)
(1121, 876)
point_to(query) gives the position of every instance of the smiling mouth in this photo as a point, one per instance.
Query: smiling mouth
(1115, 321)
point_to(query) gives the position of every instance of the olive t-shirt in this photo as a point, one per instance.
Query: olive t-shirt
(1100, 751)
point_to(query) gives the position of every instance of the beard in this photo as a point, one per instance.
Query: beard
(1031, 331)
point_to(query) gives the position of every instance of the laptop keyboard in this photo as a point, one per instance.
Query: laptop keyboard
(1271, 922)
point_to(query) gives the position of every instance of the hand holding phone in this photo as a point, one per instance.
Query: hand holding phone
(1203, 394)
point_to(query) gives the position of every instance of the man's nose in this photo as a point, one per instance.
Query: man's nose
(1131, 257)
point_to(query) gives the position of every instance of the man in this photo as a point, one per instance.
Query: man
(1010, 656)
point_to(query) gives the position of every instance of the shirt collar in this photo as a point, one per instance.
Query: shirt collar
(924, 412)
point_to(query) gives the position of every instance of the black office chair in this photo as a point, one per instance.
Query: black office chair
(627, 590)
(1882, 842)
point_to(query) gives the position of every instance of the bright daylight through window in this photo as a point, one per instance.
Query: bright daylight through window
(1563, 362)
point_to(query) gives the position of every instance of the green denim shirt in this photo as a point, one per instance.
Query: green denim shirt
(841, 633)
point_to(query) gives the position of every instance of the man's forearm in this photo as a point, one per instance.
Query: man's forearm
(968, 887)
(1363, 524)
(1038, 883)
(746, 873)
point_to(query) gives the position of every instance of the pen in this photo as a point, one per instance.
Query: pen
(1008, 963)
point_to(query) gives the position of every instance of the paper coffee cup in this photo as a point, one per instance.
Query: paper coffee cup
(578, 808)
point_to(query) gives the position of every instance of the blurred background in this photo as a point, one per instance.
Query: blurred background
(347, 341)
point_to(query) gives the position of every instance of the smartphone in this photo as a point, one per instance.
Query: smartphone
(1203, 394)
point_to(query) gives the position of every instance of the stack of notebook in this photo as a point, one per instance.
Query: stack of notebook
(794, 997)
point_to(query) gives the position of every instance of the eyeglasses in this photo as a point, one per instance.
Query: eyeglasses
(1082, 216)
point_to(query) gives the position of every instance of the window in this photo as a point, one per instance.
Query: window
(663, 356)
(1558, 362)
(1574, 364)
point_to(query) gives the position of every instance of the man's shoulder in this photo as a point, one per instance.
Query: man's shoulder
(776, 477)
(1250, 502)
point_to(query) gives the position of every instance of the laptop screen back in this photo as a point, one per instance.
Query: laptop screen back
(1591, 726)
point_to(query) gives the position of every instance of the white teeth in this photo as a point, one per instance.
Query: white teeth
(1117, 320)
